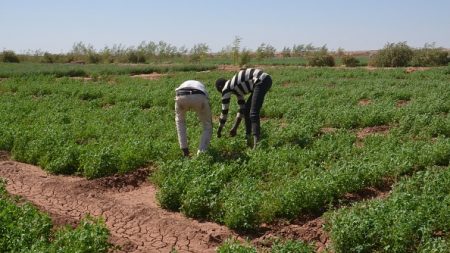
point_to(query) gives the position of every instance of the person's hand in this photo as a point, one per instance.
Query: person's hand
(219, 132)
(233, 132)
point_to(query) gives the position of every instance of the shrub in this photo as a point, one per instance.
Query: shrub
(393, 55)
(244, 58)
(48, 58)
(286, 52)
(430, 55)
(94, 58)
(9, 56)
(320, 58)
(349, 61)
(134, 57)
(265, 51)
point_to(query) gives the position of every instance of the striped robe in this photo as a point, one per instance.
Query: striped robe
(242, 83)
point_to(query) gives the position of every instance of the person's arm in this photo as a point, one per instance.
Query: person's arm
(226, 96)
(239, 116)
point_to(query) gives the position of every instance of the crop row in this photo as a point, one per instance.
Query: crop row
(94, 70)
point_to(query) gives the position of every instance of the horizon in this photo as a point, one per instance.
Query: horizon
(55, 26)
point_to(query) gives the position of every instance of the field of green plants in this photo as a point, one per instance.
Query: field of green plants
(311, 155)
(24, 229)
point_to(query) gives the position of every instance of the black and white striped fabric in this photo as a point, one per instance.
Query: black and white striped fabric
(242, 83)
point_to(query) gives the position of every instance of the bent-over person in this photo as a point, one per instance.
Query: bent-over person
(247, 81)
(192, 96)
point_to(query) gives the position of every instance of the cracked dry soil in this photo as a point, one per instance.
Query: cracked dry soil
(127, 204)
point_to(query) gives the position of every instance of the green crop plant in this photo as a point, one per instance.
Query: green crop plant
(414, 218)
(24, 229)
(321, 136)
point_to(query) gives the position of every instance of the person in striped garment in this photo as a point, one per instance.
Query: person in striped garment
(247, 81)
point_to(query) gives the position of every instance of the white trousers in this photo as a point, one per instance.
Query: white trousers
(200, 104)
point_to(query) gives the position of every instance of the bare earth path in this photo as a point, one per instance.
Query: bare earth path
(127, 203)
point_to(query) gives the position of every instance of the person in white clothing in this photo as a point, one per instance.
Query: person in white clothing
(192, 96)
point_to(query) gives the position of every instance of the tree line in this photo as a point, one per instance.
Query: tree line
(392, 55)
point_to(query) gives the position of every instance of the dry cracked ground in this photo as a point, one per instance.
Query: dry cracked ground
(136, 223)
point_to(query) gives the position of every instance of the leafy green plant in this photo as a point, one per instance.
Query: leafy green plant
(413, 219)
(291, 246)
(24, 229)
(233, 246)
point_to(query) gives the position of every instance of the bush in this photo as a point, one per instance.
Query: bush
(392, 55)
(9, 56)
(134, 57)
(244, 58)
(48, 58)
(430, 56)
(349, 61)
(320, 58)
(265, 51)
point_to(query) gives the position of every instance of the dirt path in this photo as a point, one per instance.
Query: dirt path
(127, 203)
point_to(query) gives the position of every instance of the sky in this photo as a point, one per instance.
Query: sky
(55, 25)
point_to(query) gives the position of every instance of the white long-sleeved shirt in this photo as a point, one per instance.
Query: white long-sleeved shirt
(193, 84)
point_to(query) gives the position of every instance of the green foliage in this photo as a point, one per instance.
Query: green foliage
(286, 52)
(235, 49)
(234, 246)
(244, 58)
(265, 51)
(199, 52)
(311, 154)
(320, 58)
(349, 61)
(101, 70)
(291, 246)
(430, 55)
(414, 218)
(24, 229)
(89, 236)
(9, 56)
(393, 55)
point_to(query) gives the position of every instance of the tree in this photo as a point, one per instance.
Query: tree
(286, 52)
(236, 46)
(199, 51)
(265, 51)
(9, 56)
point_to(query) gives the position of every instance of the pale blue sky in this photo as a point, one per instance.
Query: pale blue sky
(54, 25)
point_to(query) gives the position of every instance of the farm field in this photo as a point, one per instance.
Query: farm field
(349, 152)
